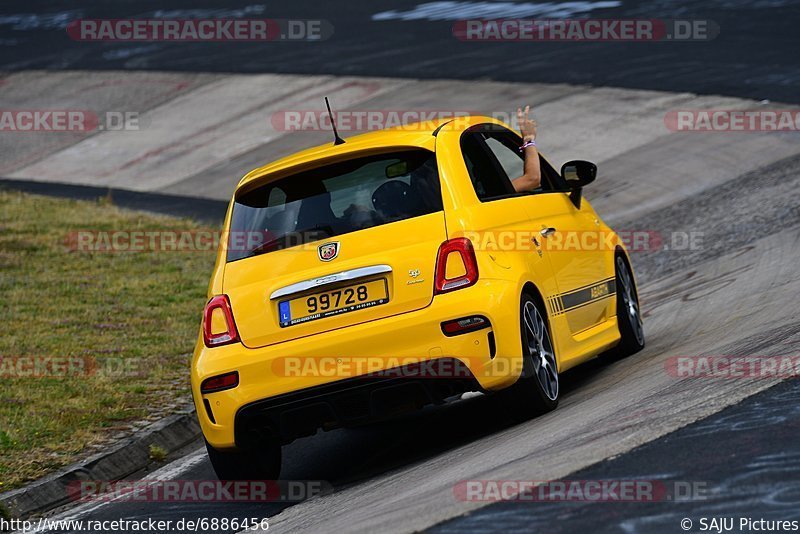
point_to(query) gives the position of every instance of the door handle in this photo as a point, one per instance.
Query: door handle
(547, 232)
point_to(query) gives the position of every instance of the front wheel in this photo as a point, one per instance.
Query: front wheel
(260, 464)
(629, 317)
(537, 390)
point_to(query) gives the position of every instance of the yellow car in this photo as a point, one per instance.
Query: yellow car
(395, 270)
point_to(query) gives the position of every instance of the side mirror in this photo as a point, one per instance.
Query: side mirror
(578, 173)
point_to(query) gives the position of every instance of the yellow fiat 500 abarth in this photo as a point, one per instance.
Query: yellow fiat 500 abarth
(396, 270)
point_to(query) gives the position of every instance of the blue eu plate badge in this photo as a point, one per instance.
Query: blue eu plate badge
(284, 311)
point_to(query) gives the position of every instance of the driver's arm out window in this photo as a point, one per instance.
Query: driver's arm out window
(505, 147)
(493, 160)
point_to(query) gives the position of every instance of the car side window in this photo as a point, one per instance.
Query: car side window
(488, 176)
(551, 178)
(505, 147)
(511, 160)
(501, 146)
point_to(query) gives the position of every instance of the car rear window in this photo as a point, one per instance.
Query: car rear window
(334, 199)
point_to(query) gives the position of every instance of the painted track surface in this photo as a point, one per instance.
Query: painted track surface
(754, 56)
(733, 296)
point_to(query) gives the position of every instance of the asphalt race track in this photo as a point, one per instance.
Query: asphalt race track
(750, 475)
(734, 293)
(754, 55)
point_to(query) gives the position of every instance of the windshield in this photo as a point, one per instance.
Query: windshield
(335, 199)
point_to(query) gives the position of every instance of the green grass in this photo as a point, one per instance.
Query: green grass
(157, 453)
(131, 316)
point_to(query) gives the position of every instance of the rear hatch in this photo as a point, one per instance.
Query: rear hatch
(337, 245)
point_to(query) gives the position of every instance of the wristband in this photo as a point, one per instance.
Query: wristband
(526, 145)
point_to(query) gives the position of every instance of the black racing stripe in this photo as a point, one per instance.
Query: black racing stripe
(584, 304)
(554, 305)
(581, 288)
(581, 297)
(577, 298)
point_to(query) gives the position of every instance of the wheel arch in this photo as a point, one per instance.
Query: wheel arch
(531, 289)
(621, 252)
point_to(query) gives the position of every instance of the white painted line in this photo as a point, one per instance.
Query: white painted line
(169, 472)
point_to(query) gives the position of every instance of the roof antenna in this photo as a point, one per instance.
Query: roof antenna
(336, 139)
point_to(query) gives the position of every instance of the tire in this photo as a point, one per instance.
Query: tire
(629, 318)
(260, 464)
(537, 390)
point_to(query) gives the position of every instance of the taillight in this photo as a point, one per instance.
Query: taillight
(456, 266)
(220, 382)
(218, 326)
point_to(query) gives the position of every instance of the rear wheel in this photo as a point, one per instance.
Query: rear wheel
(537, 390)
(258, 464)
(629, 317)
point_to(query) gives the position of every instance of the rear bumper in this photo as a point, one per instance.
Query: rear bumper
(345, 402)
(292, 388)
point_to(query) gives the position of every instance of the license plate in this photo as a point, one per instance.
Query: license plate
(333, 302)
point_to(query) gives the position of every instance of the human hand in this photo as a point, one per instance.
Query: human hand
(527, 126)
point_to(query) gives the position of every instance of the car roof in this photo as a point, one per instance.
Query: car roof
(419, 134)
